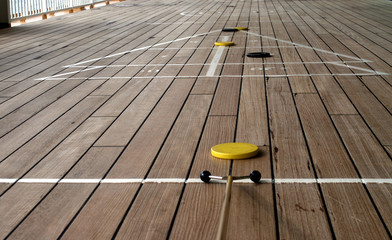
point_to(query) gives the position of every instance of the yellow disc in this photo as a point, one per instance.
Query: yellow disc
(241, 28)
(234, 150)
(224, 43)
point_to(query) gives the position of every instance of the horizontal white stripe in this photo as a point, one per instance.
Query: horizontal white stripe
(196, 180)
(209, 64)
(238, 76)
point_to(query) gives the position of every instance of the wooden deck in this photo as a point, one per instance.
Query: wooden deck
(108, 117)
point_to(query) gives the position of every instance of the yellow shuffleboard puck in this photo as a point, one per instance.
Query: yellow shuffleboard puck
(240, 28)
(234, 150)
(224, 43)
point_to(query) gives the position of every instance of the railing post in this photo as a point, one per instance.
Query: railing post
(4, 14)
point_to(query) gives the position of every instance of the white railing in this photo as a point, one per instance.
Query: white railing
(26, 8)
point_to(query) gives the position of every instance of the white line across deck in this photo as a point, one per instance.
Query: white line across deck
(195, 180)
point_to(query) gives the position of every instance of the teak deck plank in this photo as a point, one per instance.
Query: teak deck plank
(251, 213)
(328, 153)
(352, 213)
(196, 216)
(178, 150)
(108, 116)
(146, 220)
(103, 212)
(17, 164)
(301, 212)
(363, 147)
(381, 195)
(148, 140)
(48, 220)
(18, 202)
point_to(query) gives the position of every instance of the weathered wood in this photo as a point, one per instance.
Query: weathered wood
(218, 129)
(290, 155)
(178, 150)
(197, 218)
(328, 153)
(151, 213)
(148, 140)
(368, 155)
(301, 212)
(381, 195)
(17, 202)
(33, 151)
(50, 217)
(103, 212)
(251, 212)
(352, 213)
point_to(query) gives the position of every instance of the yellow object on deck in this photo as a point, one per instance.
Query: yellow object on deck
(240, 28)
(224, 43)
(234, 150)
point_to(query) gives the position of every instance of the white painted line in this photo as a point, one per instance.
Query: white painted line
(305, 46)
(358, 68)
(38, 180)
(122, 180)
(295, 180)
(217, 57)
(209, 64)
(339, 180)
(8, 180)
(69, 73)
(376, 180)
(78, 180)
(232, 76)
(142, 48)
(193, 180)
(164, 180)
(197, 180)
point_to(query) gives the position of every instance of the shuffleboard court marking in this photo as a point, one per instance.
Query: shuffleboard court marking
(195, 180)
(208, 64)
(122, 53)
(217, 57)
(215, 61)
(305, 46)
(233, 76)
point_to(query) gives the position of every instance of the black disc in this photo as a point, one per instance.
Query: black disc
(229, 30)
(259, 54)
(255, 176)
(205, 176)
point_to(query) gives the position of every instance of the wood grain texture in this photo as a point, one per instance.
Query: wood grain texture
(60, 160)
(147, 142)
(179, 149)
(50, 217)
(372, 111)
(290, 154)
(301, 213)
(218, 129)
(103, 213)
(132, 102)
(381, 195)
(17, 202)
(152, 212)
(36, 124)
(33, 151)
(367, 153)
(328, 153)
(251, 212)
(352, 213)
(196, 217)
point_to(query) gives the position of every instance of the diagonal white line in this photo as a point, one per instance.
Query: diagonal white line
(359, 68)
(142, 48)
(308, 47)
